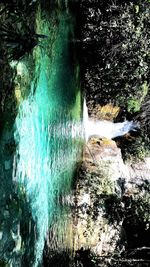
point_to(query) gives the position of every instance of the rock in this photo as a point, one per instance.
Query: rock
(106, 112)
(104, 186)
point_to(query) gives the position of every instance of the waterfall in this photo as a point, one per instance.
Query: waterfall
(103, 128)
(85, 120)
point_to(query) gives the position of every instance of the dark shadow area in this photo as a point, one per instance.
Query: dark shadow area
(53, 258)
(17, 28)
(133, 211)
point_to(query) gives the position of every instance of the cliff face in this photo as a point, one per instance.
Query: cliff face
(112, 202)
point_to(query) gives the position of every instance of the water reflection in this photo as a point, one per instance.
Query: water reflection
(46, 133)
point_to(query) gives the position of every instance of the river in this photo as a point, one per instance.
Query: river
(47, 134)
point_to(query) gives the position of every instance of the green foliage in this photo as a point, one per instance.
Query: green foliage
(133, 105)
(138, 147)
(17, 28)
(115, 51)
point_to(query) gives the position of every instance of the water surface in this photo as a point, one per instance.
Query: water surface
(47, 133)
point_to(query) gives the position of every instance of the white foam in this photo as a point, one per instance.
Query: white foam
(103, 128)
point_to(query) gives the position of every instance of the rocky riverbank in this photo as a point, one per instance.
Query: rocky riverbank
(112, 206)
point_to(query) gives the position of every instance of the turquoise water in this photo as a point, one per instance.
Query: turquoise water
(47, 133)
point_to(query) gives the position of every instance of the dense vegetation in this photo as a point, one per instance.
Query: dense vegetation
(114, 53)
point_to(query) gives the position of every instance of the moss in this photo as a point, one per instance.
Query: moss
(134, 148)
(133, 105)
(107, 186)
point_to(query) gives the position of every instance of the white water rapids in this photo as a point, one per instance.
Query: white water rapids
(103, 128)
